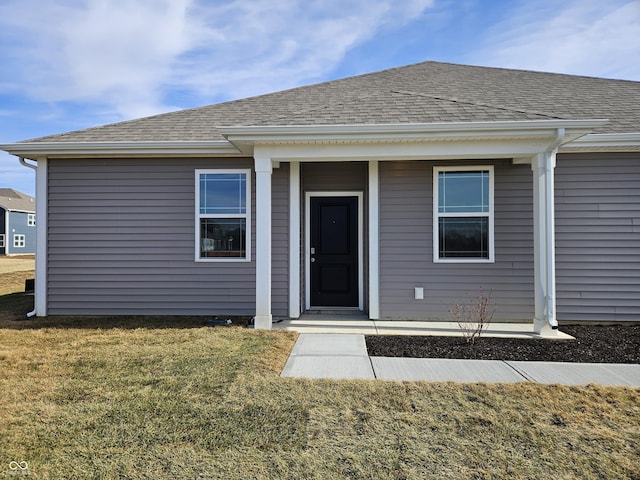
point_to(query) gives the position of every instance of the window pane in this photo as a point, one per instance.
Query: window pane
(466, 237)
(460, 192)
(223, 237)
(223, 193)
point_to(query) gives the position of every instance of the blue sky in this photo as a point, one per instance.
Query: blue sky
(73, 64)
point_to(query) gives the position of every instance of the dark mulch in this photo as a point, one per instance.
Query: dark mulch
(593, 344)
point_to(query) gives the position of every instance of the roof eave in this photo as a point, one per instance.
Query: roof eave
(240, 140)
(604, 142)
(245, 137)
(34, 150)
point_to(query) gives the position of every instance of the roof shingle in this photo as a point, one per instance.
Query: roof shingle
(422, 93)
(11, 199)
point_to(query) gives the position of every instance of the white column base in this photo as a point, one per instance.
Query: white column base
(541, 327)
(262, 322)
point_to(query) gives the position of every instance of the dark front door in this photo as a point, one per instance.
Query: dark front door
(334, 251)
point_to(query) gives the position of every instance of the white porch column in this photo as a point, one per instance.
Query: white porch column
(263, 242)
(294, 239)
(543, 166)
(374, 239)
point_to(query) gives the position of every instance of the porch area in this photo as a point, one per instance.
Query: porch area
(336, 323)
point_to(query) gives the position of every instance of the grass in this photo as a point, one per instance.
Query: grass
(166, 398)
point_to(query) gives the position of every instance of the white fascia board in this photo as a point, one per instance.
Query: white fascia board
(16, 210)
(602, 142)
(459, 149)
(32, 150)
(243, 136)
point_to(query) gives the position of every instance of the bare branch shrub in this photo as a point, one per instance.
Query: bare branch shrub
(474, 316)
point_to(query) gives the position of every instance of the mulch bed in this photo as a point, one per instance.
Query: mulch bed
(593, 344)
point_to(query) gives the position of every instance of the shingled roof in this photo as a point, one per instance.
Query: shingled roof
(428, 92)
(13, 200)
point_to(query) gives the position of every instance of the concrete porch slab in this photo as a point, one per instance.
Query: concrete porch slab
(444, 370)
(349, 325)
(500, 330)
(328, 325)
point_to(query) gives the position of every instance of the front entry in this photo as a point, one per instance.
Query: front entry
(334, 279)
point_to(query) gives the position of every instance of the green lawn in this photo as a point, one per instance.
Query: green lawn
(168, 398)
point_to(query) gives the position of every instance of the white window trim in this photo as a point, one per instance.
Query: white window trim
(246, 216)
(437, 214)
(19, 240)
(31, 219)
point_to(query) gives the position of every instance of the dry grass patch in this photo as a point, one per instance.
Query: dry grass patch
(189, 402)
(95, 403)
(150, 398)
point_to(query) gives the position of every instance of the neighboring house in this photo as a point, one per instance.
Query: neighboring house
(17, 223)
(396, 193)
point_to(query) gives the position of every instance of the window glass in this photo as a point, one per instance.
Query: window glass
(222, 211)
(223, 193)
(18, 241)
(462, 237)
(226, 237)
(463, 192)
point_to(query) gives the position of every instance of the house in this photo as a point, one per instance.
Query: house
(396, 193)
(17, 223)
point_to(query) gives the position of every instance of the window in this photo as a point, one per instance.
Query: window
(463, 214)
(31, 219)
(1, 240)
(223, 215)
(18, 241)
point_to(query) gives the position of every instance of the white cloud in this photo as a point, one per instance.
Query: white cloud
(111, 51)
(248, 47)
(129, 54)
(578, 37)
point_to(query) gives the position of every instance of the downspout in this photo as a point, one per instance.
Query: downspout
(550, 163)
(34, 168)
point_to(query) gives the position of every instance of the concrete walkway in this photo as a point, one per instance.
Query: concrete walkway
(344, 356)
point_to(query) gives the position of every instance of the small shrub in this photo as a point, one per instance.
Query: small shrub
(474, 316)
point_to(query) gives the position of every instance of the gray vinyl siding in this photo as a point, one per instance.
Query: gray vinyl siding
(406, 246)
(598, 237)
(334, 176)
(280, 241)
(121, 240)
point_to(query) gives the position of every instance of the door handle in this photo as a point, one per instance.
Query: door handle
(313, 259)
